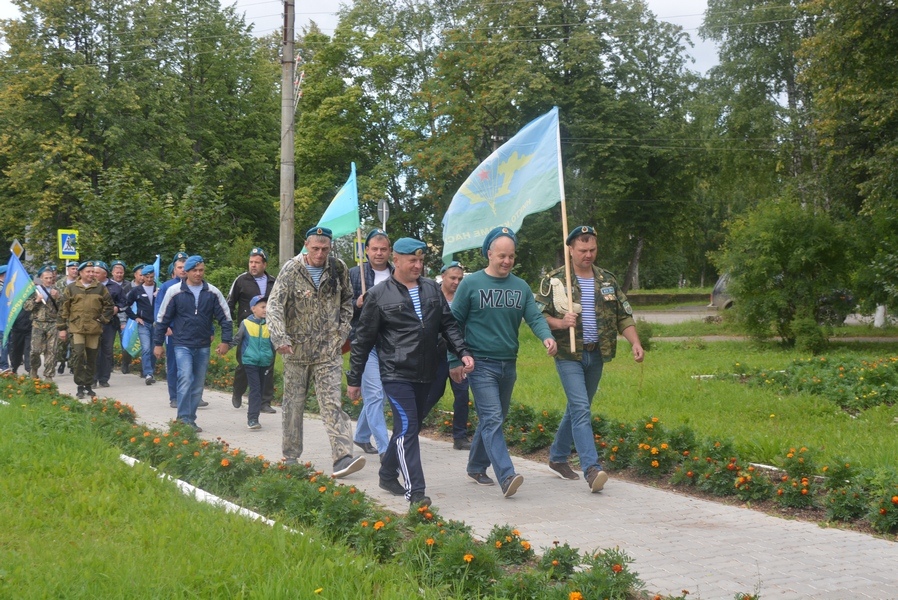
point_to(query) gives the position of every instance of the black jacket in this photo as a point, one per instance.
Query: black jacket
(242, 291)
(406, 346)
(355, 280)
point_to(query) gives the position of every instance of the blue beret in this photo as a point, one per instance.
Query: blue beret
(148, 270)
(374, 233)
(87, 263)
(578, 231)
(497, 232)
(3, 269)
(118, 262)
(256, 300)
(192, 262)
(45, 268)
(71, 263)
(101, 265)
(138, 267)
(320, 231)
(409, 245)
(258, 252)
(180, 256)
(453, 265)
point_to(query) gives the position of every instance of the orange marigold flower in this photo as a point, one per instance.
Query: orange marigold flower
(322, 489)
(616, 568)
(146, 434)
(428, 515)
(575, 596)
(378, 525)
(132, 440)
(895, 500)
(498, 544)
(555, 563)
(525, 544)
(468, 557)
(225, 462)
(429, 541)
(516, 532)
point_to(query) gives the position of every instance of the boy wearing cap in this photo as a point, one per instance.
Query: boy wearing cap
(376, 270)
(406, 317)
(489, 306)
(599, 312)
(256, 353)
(254, 282)
(86, 307)
(139, 307)
(44, 308)
(309, 311)
(188, 311)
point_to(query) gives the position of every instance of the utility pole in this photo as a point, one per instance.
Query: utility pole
(288, 112)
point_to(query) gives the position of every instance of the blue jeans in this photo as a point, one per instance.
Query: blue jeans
(192, 365)
(171, 370)
(492, 382)
(371, 419)
(580, 380)
(147, 358)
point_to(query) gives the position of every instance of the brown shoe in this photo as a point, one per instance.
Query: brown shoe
(596, 478)
(563, 470)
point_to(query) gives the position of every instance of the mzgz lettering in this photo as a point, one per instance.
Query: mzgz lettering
(501, 299)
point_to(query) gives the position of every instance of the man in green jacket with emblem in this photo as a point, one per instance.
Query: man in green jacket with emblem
(599, 312)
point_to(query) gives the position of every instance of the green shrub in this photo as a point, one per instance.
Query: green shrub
(560, 561)
(510, 547)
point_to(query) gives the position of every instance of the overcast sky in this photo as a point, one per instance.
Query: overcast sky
(267, 17)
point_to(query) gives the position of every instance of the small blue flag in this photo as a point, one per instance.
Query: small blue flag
(520, 178)
(342, 215)
(17, 287)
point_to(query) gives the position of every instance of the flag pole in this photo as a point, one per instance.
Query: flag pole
(359, 251)
(564, 233)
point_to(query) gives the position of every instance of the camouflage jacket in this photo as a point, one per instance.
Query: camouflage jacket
(613, 313)
(85, 310)
(314, 321)
(44, 311)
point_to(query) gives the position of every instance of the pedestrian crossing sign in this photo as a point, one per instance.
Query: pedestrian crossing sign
(67, 240)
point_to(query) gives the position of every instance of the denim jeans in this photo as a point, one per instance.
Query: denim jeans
(580, 380)
(192, 365)
(371, 419)
(492, 382)
(147, 358)
(171, 370)
(460, 395)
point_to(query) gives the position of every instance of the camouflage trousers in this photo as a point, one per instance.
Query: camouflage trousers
(327, 377)
(84, 358)
(44, 338)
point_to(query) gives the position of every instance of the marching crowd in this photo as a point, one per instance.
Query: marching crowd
(407, 336)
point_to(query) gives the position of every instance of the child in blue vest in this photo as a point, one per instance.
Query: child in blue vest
(255, 351)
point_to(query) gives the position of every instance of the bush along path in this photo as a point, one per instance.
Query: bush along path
(679, 542)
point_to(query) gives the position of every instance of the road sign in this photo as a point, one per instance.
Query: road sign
(67, 241)
(17, 248)
(383, 212)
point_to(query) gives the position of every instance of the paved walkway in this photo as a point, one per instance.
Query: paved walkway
(678, 542)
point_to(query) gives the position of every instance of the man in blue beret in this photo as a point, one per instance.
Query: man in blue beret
(452, 274)
(376, 269)
(44, 308)
(309, 311)
(119, 268)
(86, 308)
(171, 364)
(490, 305)
(255, 281)
(139, 308)
(599, 312)
(106, 354)
(188, 311)
(406, 316)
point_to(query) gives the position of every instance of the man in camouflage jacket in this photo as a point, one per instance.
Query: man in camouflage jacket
(598, 312)
(44, 308)
(309, 314)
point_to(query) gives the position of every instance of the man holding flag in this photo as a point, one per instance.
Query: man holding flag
(44, 308)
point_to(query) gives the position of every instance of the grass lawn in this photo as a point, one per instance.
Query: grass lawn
(79, 523)
(762, 423)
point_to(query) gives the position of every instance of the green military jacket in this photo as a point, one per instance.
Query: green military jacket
(313, 320)
(44, 311)
(85, 310)
(613, 313)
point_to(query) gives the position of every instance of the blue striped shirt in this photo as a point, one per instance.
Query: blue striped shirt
(315, 272)
(588, 316)
(416, 300)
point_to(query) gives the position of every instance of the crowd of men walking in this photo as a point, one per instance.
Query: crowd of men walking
(408, 336)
